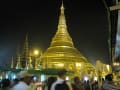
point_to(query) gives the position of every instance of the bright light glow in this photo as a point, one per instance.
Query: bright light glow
(108, 67)
(78, 64)
(14, 76)
(116, 64)
(0, 77)
(36, 52)
(95, 78)
(6, 76)
(35, 78)
(42, 78)
(86, 78)
(67, 78)
(59, 65)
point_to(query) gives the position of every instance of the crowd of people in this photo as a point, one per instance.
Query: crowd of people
(25, 82)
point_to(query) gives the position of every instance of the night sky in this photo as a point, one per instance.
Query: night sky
(86, 21)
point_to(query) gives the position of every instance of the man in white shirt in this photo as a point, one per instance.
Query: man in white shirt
(60, 80)
(25, 80)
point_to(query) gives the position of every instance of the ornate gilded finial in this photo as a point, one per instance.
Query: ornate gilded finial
(62, 7)
(62, 21)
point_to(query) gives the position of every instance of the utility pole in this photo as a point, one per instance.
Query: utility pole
(109, 10)
(117, 42)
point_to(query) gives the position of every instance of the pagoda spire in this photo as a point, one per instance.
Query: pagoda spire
(62, 37)
(26, 51)
(62, 20)
(25, 58)
(18, 65)
(12, 64)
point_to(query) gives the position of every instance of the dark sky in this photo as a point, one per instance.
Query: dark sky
(86, 21)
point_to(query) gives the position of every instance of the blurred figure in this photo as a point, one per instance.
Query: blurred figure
(108, 84)
(62, 86)
(50, 81)
(77, 85)
(94, 85)
(61, 82)
(5, 84)
(14, 82)
(87, 85)
(33, 85)
(25, 80)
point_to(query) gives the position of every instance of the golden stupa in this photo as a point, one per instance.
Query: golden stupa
(62, 53)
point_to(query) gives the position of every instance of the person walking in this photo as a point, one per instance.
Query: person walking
(60, 83)
(108, 84)
(25, 80)
(77, 85)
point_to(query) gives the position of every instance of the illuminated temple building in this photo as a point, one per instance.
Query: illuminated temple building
(60, 54)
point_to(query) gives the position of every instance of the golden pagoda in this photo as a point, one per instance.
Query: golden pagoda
(62, 53)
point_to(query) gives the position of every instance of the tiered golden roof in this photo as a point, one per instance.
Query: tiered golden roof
(62, 53)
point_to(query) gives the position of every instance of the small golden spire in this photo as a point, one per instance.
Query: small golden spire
(62, 35)
(62, 21)
(26, 47)
(18, 66)
(62, 8)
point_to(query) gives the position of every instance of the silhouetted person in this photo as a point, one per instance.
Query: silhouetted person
(14, 82)
(25, 80)
(87, 85)
(61, 80)
(50, 81)
(77, 85)
(62, 86)
(108, 84)
(5, 84)
(94, 85)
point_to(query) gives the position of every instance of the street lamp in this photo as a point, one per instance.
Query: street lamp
(37, 56)
(36, 52)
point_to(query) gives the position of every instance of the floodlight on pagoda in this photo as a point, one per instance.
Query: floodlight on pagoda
(95, 78)
(59, 65)
(108, 67)
(116, 63)
(78, 64)
(86, 78)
